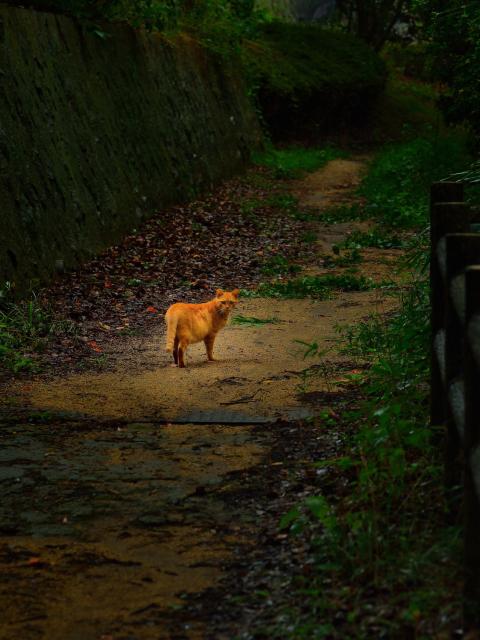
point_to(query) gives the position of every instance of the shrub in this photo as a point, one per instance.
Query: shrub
(303, 73)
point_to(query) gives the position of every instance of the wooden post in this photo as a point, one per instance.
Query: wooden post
(443, 219)
(471, 447)
(461, 250)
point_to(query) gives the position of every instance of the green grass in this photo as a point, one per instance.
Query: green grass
(347, 260)
(308, 237)
(279, 266)
(321, 288)
(27, 325)
(378, 238)
(398, 183)
(250, 321)
(343, 213)
(291, 161)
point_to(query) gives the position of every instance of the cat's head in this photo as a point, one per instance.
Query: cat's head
(226, 301)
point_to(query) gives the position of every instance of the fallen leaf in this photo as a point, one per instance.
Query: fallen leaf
(34, 560)
(259, 253)
(93, 343)
(99, 350)
(37, 379)
(26, 388)
(119, 328)
(108, 284)
(65, 520)
(150, 309)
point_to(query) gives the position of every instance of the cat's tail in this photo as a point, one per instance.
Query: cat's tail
(171, 331)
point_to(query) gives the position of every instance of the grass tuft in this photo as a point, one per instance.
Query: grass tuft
(320, 288)
(292, 161)
(27, 325)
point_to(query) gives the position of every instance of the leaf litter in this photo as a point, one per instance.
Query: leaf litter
(182, 254)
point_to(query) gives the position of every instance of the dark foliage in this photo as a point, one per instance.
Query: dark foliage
(453, 29)
(376, 21)
(304, 74)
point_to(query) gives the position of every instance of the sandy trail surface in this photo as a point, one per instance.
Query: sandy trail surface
(264, 362)
(258, 366)
(112, 513)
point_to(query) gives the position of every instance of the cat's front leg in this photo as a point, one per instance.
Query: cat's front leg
(209, 341)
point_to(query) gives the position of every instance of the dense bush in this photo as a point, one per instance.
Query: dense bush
(150, 14)
(397, 187)
(305, 74)
(453, 29)
(219, 24)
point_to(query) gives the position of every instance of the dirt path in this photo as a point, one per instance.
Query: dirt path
(263, 362)
(125, 503)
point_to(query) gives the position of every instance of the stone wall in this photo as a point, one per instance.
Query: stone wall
(95, 135)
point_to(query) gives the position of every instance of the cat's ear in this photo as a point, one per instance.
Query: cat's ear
(219, 293)
(235, 293)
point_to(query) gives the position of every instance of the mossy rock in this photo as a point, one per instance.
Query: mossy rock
(310, 75)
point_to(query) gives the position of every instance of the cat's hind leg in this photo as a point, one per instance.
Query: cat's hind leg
(175, 353)
(182, 347)
(209, 342)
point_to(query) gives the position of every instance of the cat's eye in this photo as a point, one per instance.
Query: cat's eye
(223, 301)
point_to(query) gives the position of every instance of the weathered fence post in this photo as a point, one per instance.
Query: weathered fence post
(461, 250)
(471, 446)
(440, 224)
(452, 217)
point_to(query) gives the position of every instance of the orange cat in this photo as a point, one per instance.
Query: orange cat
(191, 323)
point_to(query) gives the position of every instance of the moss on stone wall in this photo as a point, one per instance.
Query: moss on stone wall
(97, 134)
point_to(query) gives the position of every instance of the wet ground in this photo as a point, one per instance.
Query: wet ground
(121, 516)
(115, 513)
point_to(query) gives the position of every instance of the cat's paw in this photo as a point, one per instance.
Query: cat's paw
(212, 361)
(174, 365)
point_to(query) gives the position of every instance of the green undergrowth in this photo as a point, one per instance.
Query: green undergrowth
(26, 326)
(251, 321)
(279, 266)
(319, 288)
(383, 554)
(385, 536)
(304, 75)
(348, 259)
(378, 238)
(398, 183)
(292, 161)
